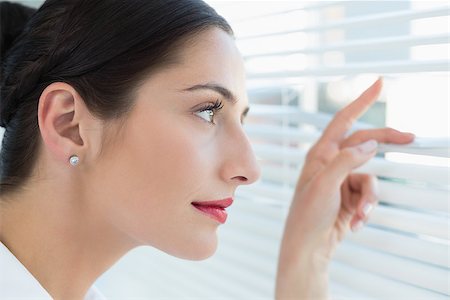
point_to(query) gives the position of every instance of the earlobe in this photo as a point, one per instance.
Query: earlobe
(59, 127)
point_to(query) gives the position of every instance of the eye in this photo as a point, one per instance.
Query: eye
(207, 115)
(208, 112)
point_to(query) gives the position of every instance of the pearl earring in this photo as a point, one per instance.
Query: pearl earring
(74, 160)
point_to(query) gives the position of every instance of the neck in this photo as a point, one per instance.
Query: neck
(62, 241)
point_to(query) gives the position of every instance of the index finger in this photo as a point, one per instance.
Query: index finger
(344, 119)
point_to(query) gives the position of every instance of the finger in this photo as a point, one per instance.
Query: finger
(381, 135)
(348, 159)
(320, 154)
(346, 195)
(365, 186)
(361, 189)
(345, 118)
(328, 145)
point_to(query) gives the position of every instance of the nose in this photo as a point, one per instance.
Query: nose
(239, 165)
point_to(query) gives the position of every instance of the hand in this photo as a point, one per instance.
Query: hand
(329, 199)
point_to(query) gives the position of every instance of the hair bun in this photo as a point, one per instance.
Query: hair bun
(13, 18)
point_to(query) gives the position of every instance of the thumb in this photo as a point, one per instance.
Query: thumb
(348, 159)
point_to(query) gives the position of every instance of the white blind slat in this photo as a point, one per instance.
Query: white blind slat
(378, 286)
(403, 245)
(397, 17)
(395, 267)
(315, 6)
(360, 45)
(393, 67)
(411, 221)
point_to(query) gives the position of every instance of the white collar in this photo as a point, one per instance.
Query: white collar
(16, 282)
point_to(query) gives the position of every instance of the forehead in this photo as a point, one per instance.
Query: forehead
(209, 57)
(213, 51)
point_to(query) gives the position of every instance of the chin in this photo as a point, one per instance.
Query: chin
(196, 251)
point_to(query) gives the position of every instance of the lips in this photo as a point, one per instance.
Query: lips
(214, 209)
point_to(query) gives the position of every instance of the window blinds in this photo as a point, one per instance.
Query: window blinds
(403, 253)
(305, 60)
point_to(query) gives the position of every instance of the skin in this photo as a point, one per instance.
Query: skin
(138, 176)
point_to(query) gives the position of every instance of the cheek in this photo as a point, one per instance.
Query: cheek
(159, 169)
(169, 157)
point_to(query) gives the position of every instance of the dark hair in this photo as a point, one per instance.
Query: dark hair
(103, 48)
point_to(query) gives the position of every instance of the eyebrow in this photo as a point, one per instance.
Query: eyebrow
(226, 93)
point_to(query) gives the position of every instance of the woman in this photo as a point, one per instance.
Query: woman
(124, 119)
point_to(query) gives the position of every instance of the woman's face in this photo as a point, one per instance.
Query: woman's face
(174, 150)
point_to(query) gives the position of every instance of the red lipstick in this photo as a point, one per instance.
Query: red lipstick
(214, 209)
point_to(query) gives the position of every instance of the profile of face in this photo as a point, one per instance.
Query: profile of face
(176, 147)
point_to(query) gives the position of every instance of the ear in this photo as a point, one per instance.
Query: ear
(63, 120)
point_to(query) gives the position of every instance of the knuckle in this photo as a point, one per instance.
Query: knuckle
(361, 134)
(322, 159)
(367, 134)
(348, 153)
(318, 153)
(353, 139)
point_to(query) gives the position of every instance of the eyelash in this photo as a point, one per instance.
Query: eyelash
(214, 107)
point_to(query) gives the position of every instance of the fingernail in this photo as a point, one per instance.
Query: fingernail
(368, 146)
(358, 226)
(367, 208)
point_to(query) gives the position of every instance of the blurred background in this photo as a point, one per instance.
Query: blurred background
(305, 60)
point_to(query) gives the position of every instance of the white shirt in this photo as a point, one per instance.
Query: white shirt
(17, 283)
